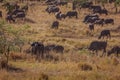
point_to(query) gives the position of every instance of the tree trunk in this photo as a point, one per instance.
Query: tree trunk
(116, 9)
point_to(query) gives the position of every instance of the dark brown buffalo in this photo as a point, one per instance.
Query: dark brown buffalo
(55, 25)
(105, 33)
(72, 14)
(60, 16)
(91, 27)
(10, 18)
(54, 48)
(109, 21)
(90, 16)
(101, 11)
(58, 49)
(114, 50)
(38, 50)
(98, 45)
(99, 22)
(52, 9)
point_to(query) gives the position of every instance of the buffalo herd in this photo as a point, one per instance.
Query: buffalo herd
(92, 19)
(15, 12)
(41, 51)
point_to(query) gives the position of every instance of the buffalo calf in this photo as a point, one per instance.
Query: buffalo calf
(91, 27)
(55, 24)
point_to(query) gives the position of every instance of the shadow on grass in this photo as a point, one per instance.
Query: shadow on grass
(14, 69)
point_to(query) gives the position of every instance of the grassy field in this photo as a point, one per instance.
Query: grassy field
(76, 63)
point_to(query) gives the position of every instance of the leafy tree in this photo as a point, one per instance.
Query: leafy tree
(116, 4)
(10, 38)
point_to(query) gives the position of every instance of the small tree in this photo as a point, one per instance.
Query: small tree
(10, 38)
(116, 4)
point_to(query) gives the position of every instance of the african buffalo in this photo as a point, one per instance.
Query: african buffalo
(91, 27)
(60, 16)
(72, 14)
(99, 22)
(52, 9)
(90, 16)
(55, 25)
(95, 8)
(114, 50)
(101, 11)
(91, 20)
(58, 49)
(17, 11)
(38, 50)
(10, 18)
(49, 48)
(108, 21)
(98, 45)
(105, 33)
(20, 15)
(54, 48)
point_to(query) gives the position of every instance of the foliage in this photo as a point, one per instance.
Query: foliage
(10, 37)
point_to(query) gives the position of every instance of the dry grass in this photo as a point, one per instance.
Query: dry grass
(76, 63)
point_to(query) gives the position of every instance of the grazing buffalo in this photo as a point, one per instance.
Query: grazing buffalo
(104, 11)
(60, 16)
(38, 50)
(91, 27)
(54, 48)
(72, 14)
(49, 48)
(20, 16)
(98, 45)
(0, 13)
(10, 18)
(114, 50)
(99, 22)
(61, 3)
(95, 8)
(100, 11)
(105, 33)
(91, 20)
(17, 11)
(92, 16)
(55, 25)
(52, 9)
(58, 49)
(108, 21)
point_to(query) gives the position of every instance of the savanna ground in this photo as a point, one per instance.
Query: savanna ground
(76, 63)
